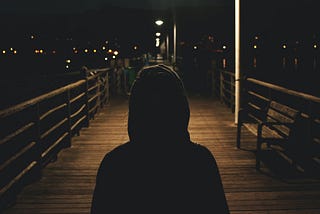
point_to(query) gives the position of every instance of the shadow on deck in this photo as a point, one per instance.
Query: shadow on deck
(67, 184)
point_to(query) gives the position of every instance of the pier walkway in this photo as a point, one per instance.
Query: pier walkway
(67, 184)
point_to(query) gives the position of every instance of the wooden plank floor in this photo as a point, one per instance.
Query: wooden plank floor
(67, 184)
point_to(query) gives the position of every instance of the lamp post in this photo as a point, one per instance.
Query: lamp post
(237, 59)
(159, 23)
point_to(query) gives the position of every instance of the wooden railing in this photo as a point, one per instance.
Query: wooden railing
(33, 132)
(260, 91)
(223, 86)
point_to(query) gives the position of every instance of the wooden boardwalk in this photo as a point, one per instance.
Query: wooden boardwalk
(67, 184)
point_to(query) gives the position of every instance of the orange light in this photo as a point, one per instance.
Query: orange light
(109, 51)
(15, 52)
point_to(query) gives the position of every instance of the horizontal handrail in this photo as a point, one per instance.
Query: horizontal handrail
(285, 90)
(228, 73)
(28, 103)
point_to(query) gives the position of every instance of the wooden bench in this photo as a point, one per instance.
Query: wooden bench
(274, 126)
(284, 121)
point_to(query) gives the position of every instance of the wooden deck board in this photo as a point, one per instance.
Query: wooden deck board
(67, 184)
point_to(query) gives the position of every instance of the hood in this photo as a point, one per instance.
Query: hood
(158, 107)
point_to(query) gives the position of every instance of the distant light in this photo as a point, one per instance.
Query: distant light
(255, 46)
(157, 42)
(3, 51)
(86, 50)
(74, 48)
(103, 47)
(195, 47)
(14, 52)
(256, 37)
(41, 51)
(116, 53)
(67, 66)
(75, 51)
(54, 52)
(94, 51)
(106, 59)
(284, 46)
(68, 61)
(113, 57)
(158, 34)
(315, 46)
(36, 51)
(224, 47)
(135, 47)
(106, 42)
(32, 37)
(109, 51)
(11, 49)
(159, 22)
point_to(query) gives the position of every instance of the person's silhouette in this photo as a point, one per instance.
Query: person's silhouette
(160, 170)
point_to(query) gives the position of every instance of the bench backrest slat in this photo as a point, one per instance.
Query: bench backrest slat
(280, 113)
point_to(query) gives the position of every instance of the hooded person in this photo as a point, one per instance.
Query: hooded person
(160, 170)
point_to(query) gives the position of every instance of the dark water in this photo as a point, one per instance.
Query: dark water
(19, 88)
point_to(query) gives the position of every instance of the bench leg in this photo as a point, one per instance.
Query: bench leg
(258, 154)
(238, 135)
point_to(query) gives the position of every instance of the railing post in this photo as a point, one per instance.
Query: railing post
(38, 142)
(221, 87)
(213, 83)
(69, 118)
(87, 108)
(232, 94)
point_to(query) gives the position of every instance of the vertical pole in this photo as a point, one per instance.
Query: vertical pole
(167, 45)
(39, 159)
(86, 88)
(69, 118)
(237, 59)
(174, 38)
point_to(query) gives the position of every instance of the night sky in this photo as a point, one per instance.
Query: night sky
(62, 6)
(133, 21)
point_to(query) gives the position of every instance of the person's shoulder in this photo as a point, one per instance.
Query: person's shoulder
(117, 152)
(202, 152)
(200, 148)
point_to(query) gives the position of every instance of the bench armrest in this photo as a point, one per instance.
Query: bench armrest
(275, 123)
(269, 124)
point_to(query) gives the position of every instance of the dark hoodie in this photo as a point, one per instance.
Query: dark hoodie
(160, 170)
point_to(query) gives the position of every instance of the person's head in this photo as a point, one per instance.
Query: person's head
(158, 107)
